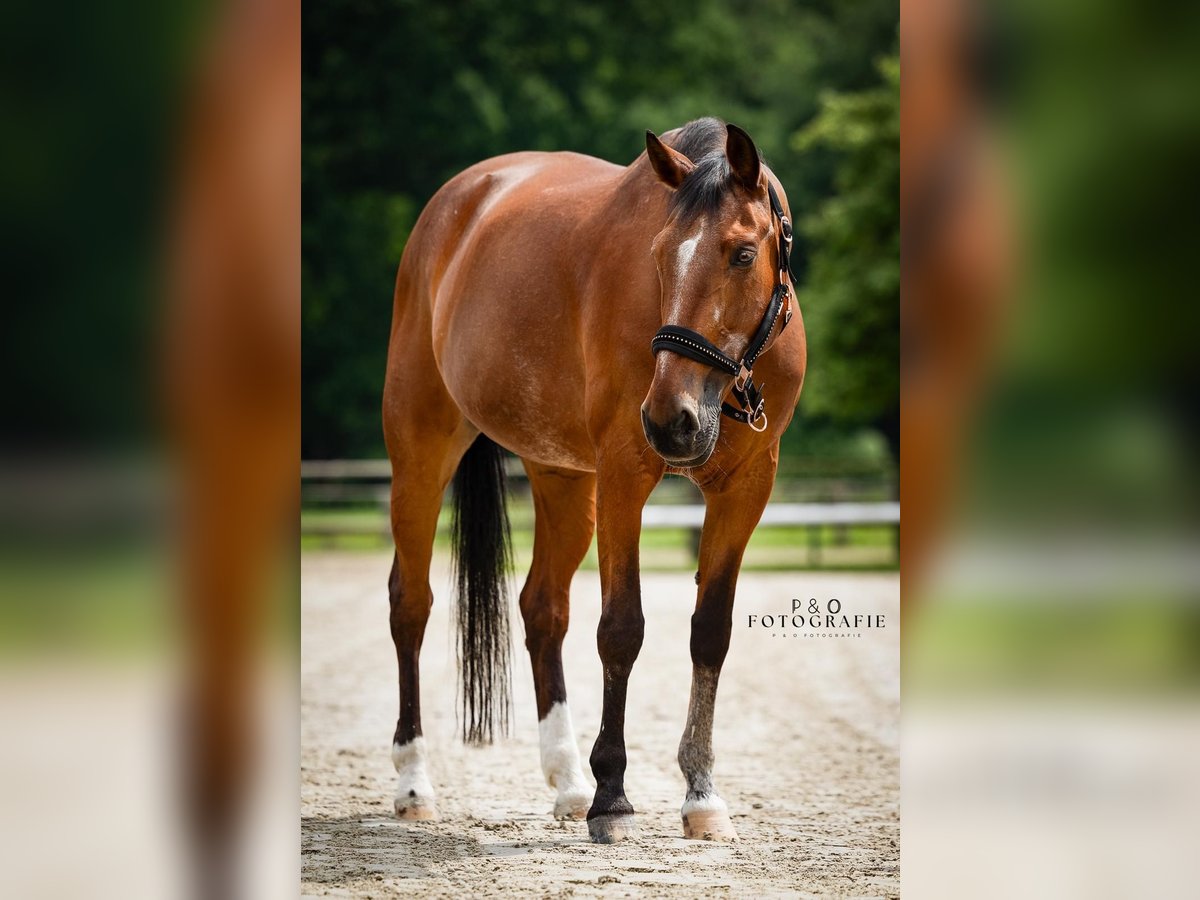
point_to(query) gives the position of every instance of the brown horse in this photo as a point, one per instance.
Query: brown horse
(525, 306)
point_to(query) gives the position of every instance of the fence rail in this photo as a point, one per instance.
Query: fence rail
(367, 481)
(330, 484)
(781, 514)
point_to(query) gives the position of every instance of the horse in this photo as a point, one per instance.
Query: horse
(605, 324)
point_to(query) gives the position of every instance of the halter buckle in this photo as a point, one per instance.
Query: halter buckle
(743, 376)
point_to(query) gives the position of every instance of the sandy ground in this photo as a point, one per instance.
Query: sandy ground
(807, 746)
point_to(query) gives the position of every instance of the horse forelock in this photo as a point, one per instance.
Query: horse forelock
(703, 142)
(703, 190)
(697, 138)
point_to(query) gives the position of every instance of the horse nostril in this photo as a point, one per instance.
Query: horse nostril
(675, 436)
(687, 424)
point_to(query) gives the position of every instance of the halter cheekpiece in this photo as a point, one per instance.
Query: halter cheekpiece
(685, 342)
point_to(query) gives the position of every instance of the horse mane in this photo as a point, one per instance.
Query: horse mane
(703, 142)
(697, 138)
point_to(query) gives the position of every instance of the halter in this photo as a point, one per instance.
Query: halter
(693, 345)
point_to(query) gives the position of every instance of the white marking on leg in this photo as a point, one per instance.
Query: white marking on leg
(413, 789)
(705, 815)
(695, 750)
(560, 762)
(705, 803)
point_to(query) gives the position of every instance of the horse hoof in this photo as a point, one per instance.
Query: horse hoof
(572, 806)
(415, 812)
(613, 828)
(709, 825)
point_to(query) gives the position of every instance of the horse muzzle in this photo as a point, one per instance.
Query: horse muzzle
(683, 433)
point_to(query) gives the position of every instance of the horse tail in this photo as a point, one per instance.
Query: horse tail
(482, 552)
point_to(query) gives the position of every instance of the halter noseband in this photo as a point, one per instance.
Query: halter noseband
(693, 345)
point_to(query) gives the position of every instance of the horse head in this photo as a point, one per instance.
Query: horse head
(718, 265)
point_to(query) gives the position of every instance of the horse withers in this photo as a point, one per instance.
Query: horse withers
(527, 302)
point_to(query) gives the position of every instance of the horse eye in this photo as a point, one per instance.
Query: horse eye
(744, 257)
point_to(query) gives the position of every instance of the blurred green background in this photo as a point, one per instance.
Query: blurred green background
(401, 96)
(1072, 563)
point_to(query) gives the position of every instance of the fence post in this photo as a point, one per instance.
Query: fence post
(814, 545)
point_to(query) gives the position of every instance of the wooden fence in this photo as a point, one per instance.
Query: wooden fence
(817, 505)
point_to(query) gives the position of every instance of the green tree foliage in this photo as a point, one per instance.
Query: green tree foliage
(851, 295)
(400, 95)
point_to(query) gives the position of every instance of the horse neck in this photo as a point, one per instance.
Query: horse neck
(626, 220)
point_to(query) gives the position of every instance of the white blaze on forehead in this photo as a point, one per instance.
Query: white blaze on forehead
(687, 249)
(683, 260)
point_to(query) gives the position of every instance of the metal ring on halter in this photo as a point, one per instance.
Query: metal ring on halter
(751, 422)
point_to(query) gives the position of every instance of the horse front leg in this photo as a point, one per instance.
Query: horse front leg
(621, 494)
(565, 516)
(734, 509)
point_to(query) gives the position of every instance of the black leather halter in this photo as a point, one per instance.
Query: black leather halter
(693, 345)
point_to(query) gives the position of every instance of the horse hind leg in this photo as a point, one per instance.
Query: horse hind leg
(409, 611)
(565, 518)
(425, 452)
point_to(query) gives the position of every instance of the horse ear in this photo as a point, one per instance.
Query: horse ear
(669, 165)
(743, 157)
